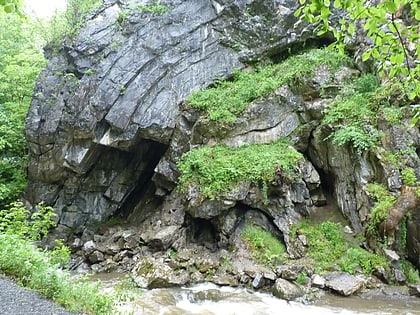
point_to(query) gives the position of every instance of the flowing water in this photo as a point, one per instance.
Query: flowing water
(209, 299)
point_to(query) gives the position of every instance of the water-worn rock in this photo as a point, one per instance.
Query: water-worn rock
(287, 290)
(151, 273)
(344, 283)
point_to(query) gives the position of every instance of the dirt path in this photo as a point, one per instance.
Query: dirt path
(15, 300)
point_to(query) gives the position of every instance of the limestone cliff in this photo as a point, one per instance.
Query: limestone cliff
(108, 124)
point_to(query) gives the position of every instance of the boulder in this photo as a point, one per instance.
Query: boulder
(344, 283)
(151, 273)
(287, 290)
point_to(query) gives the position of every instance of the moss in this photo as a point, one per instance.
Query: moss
(220, 168)
(227, 99)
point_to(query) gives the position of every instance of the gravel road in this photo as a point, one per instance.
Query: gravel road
(15, 300)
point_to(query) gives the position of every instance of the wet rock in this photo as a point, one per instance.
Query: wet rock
(287, 290)
(95, 257)
(258, 281)
(152, 273)
(343, 283)
(318, 281)
(414, 289)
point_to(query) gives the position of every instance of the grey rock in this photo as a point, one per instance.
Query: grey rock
(258, 281)
(287, 290)
(344, 283)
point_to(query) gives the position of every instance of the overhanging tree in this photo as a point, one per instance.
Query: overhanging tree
(391, 28)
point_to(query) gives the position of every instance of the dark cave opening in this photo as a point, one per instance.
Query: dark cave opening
(143, 160)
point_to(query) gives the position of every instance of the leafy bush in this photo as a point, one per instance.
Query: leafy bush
(229, 98)
(409, 176)
(18, 221)
(265, 247)
(219, 168)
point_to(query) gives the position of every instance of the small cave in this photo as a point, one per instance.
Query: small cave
(201, 232)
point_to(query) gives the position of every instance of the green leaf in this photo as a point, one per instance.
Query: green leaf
(366, 55)
(390, 6)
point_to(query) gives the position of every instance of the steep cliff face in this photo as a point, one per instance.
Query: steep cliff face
(106, 106)
(108, 124)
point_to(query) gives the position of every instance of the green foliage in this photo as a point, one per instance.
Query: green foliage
(353, 115)
(20, 63)
(11, 6)
(265, 247)
(409, 177)
(389, 36)
(18, 221)
(220, 168)
(35, 270)
(328, 249)
(302, 278)
(69, 22)
(227, 99)
(410, 272)
(379, 212)
(155, 7)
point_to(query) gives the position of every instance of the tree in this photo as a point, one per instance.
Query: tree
(10, 6)
(391, 27)
(21, 61)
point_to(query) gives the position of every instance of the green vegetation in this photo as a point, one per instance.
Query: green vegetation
(220, 168)
(20, 63)
(11, 6)
(410, 272)
(409, 177)
(227, 99)
(353, 114)
(154, 8)
(392, 40)
(379, 212)
(265, 247)
(69, 22)
(42, 270)
(329, 250)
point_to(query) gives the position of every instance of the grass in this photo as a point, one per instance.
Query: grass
(329, 250)
(44, 271)
(220, 168)
(265, 247)
(227, 99)
(38, 271)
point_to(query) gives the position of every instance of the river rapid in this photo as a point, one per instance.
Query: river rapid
(210, 299)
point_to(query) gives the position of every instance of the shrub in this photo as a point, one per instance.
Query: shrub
(379, 212)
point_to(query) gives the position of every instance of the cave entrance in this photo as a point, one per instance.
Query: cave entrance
(143, 160)
(202, 232)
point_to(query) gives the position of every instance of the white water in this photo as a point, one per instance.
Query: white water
(240, 301)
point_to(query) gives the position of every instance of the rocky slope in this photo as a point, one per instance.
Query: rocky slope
(109, 123)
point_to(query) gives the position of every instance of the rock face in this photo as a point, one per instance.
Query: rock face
(106, 106)
(107, 125)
